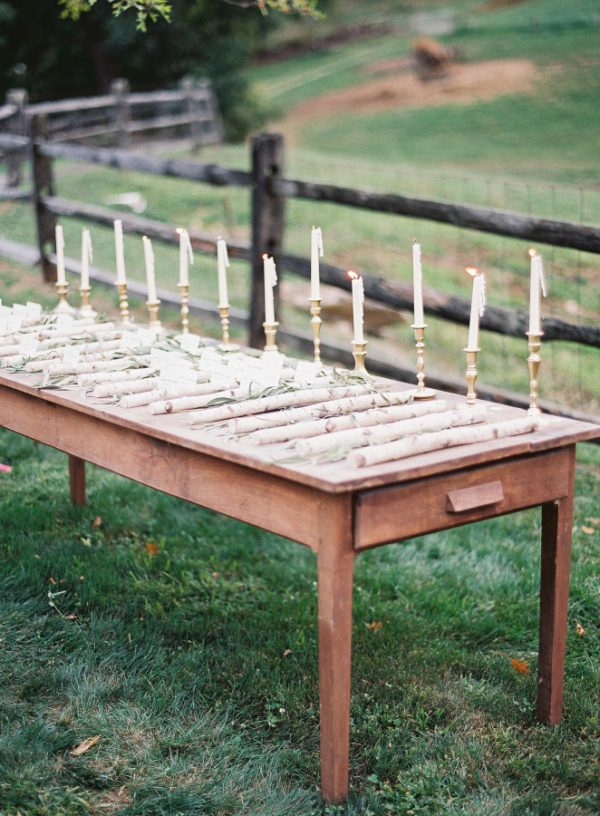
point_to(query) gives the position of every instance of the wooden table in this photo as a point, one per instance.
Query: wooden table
(334, 509)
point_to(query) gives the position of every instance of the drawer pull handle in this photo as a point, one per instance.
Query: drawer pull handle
(469, 498)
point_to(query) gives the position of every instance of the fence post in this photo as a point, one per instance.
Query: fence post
(17, 126)
(267, 225)
(43, 185)
(119, 88)
(187, 86)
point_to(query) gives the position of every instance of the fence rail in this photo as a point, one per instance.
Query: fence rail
(118, 117)
(483, 219)
(138, 162)
(270, 189)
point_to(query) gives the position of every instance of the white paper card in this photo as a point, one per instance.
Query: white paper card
(130, 340)
(34, 310)
(190, 342)
(272, 361)
(211, 353)
(158, 357)
(266, 378)
(306, 372)
(177, 374)
(19, 310)
(63, 322)
(145, 337)
(28, 345)
(14, 324)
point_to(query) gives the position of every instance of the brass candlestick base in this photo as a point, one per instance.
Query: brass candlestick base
(471, 374)
(226, 344)
(315, 310)
(359, 352)
(123, 303)
(421, 392)
(184, 294)
(63, 307)
(85, 310)
(270, 335)
(533, 361)
(154, 323)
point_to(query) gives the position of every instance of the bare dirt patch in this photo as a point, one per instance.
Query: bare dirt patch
(401, 89)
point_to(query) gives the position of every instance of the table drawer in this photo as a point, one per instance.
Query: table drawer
(439, 502)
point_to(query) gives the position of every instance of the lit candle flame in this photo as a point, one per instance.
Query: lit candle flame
(265, 256)
(532, 253)
(472, 271)
(352, 275)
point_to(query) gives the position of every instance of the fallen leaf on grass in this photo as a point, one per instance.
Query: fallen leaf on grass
(287, 652)
(579, 629)
(375, 626)
(97, 522)
(520, 666)
(587, 530)
(53, 581)
(84, 746)
(151, 548)
(70, 617)
(5, 468)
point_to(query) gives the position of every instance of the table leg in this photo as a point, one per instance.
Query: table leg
(77, 479)
(557, 522)
(335, 559)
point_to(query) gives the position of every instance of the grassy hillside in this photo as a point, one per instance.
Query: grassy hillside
(549, 131)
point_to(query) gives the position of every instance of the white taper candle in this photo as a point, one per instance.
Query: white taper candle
(358, 302)
(61, 276)
(119, 251)
(537, 289)
(222, 264)
(419, 317)
(186, 257)
(86, 257)
(477, 307)
(270, 276)
(150, 275)
(316, 251)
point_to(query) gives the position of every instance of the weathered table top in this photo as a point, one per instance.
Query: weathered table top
(338, 477)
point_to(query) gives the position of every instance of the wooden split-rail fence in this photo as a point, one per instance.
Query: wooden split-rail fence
(119, 118)
(269, 191)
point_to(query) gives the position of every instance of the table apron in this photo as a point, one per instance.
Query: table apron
(426, 505)
(266, 501)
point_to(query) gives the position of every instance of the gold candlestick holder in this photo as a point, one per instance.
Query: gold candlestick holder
(471, 374)
(85, 310)
(153, 322)
(422, 392)
(270, 335)
(226, 343)
(63, 306)
(315, 322)
(533, 361)
(359, 352)
(123, 303)
(184, 296)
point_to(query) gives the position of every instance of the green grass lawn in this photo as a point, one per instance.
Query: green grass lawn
(187, 643)
(550, 133)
